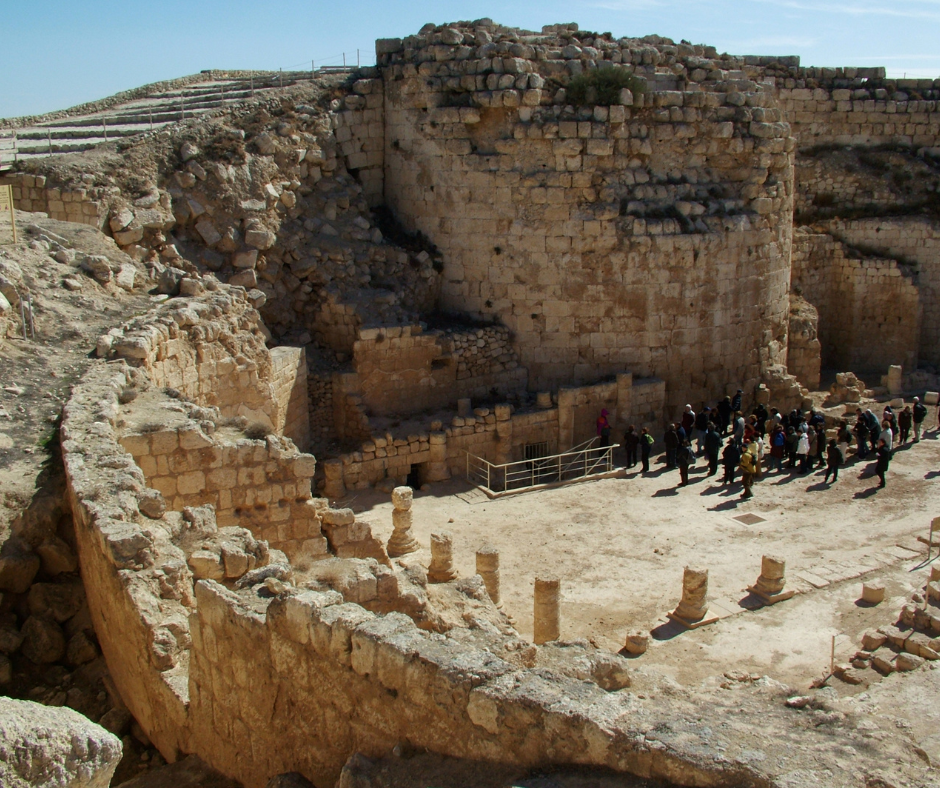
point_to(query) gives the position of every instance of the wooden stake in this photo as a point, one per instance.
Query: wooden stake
(832, 657)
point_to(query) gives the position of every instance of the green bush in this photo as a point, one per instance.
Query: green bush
(602, 86)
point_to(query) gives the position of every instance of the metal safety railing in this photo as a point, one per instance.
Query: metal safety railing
(584, 461)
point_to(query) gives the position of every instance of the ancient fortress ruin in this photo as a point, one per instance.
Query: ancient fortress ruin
(446, 255)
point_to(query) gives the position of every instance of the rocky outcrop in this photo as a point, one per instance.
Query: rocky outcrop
(44, 747)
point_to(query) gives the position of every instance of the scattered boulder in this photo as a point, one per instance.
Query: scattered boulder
(42, 746)
(43, 640)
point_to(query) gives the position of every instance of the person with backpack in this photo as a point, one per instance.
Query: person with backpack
(861, 434)
(712, 448)
(646, 444)
(874, 429)
(919, 414)
(702, 420)
(778, 447)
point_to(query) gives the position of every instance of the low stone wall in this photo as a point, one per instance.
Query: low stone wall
(85, 206)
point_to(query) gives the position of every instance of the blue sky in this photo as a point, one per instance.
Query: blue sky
(56, 54)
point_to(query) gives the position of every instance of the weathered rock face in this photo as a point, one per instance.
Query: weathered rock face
(803, 348)
(44, 747)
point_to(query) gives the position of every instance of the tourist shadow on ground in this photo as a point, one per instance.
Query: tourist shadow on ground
(725, 505)
(818, 487)
(931, 474)
(861, 494)
(667, 630)
(666, 492)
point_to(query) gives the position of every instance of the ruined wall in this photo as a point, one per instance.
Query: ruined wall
(858, 106)
(261, 485)
(651, 238)
(804, 351)
(211, 350)
(82, 205)
(915, 241)
(258, 683)
(360, 133)
(289, 373)
(403, 370)
(869, 308)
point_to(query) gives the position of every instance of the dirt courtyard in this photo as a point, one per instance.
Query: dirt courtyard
(619, 546)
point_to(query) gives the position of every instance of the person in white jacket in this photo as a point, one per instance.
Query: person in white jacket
(802, 452)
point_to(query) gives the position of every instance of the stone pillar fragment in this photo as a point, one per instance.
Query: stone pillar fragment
(547, 612)
(488, 569)
(402, 540)
(333, 471)
(895, 379)
(693, 607)
(769, 586)
(442, 558)
(437, 463)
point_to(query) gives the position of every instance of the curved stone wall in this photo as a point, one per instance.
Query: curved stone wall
(652, 236)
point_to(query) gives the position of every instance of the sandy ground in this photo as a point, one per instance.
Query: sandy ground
(619, 546)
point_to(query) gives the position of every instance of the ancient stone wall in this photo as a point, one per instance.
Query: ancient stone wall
(869, 307)
(860, 107)
(804, 351)
(403, 370)
(653, 238)
(211, 350)
(289, 373)
(916, 242)
(83, 205)
(261, 485)
(360, 132)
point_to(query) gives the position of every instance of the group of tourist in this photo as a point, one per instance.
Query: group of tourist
(771, 440)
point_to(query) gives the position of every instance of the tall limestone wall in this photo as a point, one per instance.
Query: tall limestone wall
(652, 236)
(869, 307)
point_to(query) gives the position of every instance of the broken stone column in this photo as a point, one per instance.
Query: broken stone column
(488, 569)
(769, 585)
(442, 558)
(873, 593)
(693, 606)
(546, 624)
(402, 540)
(333, 471)
(437, 463)
(636, 643)
(895, 379)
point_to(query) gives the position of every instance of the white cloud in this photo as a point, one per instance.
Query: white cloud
(913, 10)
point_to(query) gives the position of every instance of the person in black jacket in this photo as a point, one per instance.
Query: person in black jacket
(724, 414)
(671, 439)
(702, 420)
(712, 448)
(833, 461)
(736, 401)
(884, 460)
(684, 458)
(646, 443)
(919, 415)
(630, 443)
(730, 457)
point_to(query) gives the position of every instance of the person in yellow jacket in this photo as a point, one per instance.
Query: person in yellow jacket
(748, 469)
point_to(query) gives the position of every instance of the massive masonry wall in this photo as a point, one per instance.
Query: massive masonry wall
(653, 238)
(869, 307)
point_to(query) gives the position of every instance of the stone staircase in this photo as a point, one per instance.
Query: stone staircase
(67, 133)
